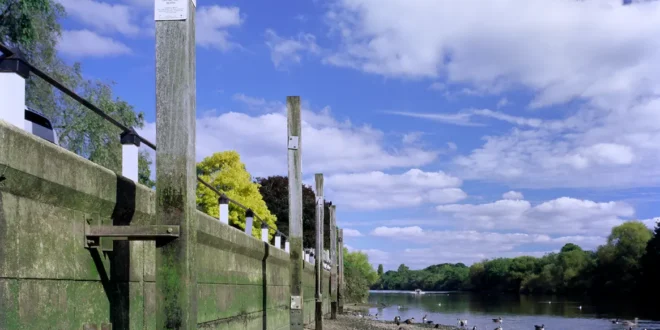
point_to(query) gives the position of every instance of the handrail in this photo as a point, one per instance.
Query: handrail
(7, 53)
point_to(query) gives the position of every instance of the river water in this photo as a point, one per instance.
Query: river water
(518, 312)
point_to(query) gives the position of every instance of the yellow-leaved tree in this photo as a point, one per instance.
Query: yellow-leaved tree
(225, 172)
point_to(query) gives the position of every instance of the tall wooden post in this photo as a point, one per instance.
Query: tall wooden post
(295, 210)
(340, 292)
(318, 255)
(333, 263)
(176, 285)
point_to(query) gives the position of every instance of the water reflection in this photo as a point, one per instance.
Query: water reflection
(517, 311)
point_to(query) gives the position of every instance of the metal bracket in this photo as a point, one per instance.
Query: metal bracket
(131, 233)
(294, 141)
(296, 302)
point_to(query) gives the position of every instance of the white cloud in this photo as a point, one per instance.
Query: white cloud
(578, 52)
(328, 146)
(567, 216)
(461, 118)
(351, 232)
(503, 102)
(465, 118)
(290, 50)
(212, 23)
(514, 195)
(438, 86)
(378, 190)
(651, 223)
(102, 16)
(85, 43)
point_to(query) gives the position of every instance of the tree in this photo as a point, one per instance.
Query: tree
(144, 170)
(275, 191)
(380, 270)
(226, 173)
(619, 260)
(359, 276)
(651, 265)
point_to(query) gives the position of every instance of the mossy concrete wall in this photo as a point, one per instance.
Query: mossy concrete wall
(49, 280)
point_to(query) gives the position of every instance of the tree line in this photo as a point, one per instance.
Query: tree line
(628, 263)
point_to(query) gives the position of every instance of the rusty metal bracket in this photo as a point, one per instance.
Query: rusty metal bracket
(93, 234)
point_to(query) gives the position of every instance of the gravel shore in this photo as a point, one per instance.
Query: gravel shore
(349, 322)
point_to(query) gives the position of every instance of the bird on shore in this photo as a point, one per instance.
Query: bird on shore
(462, 322)
(424, 318)
(499, 328)
(539, 327)
(474, 327)
(615, 321)
(580, 307)
(498, 320)
(630, 323)
(410, 321)
(397, 320)
(437, 326)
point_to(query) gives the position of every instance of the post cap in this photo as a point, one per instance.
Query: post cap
(249, 213)
(278, 234)
(264, 225)
(225, 200)
(15, 63)
(130, 137)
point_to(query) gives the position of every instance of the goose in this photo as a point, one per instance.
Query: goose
(410, 321)
(429, 322)
(424, 318)
(397, 319)
(615, 321)
(474, 327)
(498, 320)
(499, 328)
(539, 327)
(630, 322)
(462, 322)
(437, 326)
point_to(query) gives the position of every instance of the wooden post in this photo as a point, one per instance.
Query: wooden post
(340, 292)
(333, 263)
(176, 175)
(294, 141)
(318, 254)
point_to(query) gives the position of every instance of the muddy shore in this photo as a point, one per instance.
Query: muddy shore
(350, 321)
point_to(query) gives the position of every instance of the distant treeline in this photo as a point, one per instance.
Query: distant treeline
(628, 263)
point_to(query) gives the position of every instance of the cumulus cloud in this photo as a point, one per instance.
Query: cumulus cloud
(351, 232)
(212, 24)
(565, 215)
(102, 16)
(328, 145)
(85, 43)
(512, 195)
(428, 247)
(610, 69)
(378, 190)
(290, 50)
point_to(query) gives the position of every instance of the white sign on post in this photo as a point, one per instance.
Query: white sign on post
(171, 10)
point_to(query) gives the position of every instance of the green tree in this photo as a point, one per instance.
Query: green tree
(144, 170)
(275, 192)
(651, 265)
(226, 173)
(619, 260)
(359, 276)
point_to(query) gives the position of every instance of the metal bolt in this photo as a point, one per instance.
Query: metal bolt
(169, 230)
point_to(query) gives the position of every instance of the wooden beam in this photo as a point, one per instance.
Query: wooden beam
(318, 255)
(294, 156)
(333, 263)
(134, 232)
(176, 175)
(340, 292)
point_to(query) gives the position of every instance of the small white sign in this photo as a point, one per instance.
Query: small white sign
(171, 10)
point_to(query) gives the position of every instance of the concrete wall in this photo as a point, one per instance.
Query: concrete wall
(48, 280)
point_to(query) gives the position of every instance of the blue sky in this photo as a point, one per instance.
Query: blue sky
(447, 131)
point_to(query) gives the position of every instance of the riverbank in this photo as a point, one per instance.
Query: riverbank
(350, 322)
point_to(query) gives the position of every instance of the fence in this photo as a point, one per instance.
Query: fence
(134, 220)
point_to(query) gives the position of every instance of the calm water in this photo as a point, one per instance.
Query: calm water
(518, 312)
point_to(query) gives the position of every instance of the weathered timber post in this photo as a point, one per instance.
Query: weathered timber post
(176, 283)
(333, 263)
(294, 156)
(340, 292)
(318, 254)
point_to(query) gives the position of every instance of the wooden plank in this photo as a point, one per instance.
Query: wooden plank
(333, 262)
(134, 232)
(340, 292)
